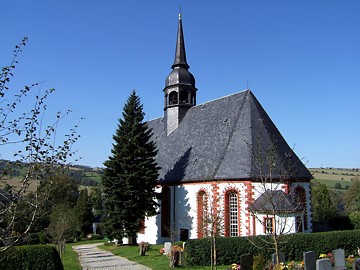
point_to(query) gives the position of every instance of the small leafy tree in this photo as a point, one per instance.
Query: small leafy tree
(323, 207)
(352, 197)
(56, 190)
(352, 203)
(63, 225)
(130, 174)
(35, 149)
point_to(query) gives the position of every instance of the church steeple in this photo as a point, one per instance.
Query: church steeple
(180, 90)
(180, 55)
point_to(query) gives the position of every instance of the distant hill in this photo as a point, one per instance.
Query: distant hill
(12, 172)
(88, 176)
(335, 176)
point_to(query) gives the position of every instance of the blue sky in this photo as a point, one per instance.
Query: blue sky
(301, 59)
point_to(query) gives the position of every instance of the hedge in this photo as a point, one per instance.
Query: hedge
(229, 249)
(33, 257)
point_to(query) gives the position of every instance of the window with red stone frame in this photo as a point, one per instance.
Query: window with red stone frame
(165, 212)
(202, 214)
(268, 223)
(231, 214)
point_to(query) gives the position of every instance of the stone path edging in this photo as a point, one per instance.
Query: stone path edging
(93, 258)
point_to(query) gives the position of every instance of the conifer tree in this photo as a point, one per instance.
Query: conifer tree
(84, 213)
(130, 174)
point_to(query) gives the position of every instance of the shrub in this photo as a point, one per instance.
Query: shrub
(337, 186)
(31, 257)
(36, 238)
(229, 249)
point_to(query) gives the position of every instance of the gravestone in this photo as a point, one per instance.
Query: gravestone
(246, 262)
(281, 258)
(309, 260)
(339, 259)
(167, 248)
(356, 264)
(323, 264)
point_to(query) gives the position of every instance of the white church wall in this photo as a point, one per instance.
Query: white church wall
(184, 201)
(284, 224)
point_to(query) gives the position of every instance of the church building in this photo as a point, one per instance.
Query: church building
(225, 167)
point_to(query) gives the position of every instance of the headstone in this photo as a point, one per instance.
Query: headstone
(323, 264)
(281, 258)
(246, 262)
(167, 248)
(339, 259)
(309, 260)
(356, 264)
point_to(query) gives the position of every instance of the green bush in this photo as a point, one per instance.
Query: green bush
(34, 257)
(229, 249)
(36, 238)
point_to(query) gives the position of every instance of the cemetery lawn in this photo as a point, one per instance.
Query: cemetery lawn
(152, 259)
(70, 259)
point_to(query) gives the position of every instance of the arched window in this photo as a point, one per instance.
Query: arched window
(173, 98)
(202, 213)
(301, 203)
(231, 214)
(165, 212)
(184, 97)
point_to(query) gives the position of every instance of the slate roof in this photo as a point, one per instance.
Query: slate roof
(218, 140)
(274, 201)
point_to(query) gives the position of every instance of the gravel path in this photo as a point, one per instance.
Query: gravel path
(93, 258)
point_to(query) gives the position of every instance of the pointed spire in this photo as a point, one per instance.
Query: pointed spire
(180, 55)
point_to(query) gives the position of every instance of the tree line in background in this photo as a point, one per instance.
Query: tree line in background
(331, 205)
(79, 173)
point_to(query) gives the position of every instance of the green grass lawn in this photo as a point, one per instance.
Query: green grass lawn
(153, 259)
(70, 257)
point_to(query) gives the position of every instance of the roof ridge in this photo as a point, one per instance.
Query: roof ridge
(216, 99)
(222, 157)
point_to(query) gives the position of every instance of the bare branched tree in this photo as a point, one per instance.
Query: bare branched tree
(36, 151)
(280, 208)
(211, 217)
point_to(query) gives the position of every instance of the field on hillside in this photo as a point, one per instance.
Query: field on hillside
(16, 183)
(12, 174)
(331, 176)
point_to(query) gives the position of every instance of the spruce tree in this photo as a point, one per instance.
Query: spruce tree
(130, 174)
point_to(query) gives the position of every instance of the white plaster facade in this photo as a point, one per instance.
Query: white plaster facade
(184, 209)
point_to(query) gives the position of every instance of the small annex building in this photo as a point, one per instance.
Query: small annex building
(222, 162)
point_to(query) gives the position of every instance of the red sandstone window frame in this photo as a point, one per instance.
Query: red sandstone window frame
(268, 224)
(202, 204)
(232, 217)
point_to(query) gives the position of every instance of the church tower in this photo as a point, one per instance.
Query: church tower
(180, 90)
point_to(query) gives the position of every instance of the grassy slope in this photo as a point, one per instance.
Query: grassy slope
(331, 176)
